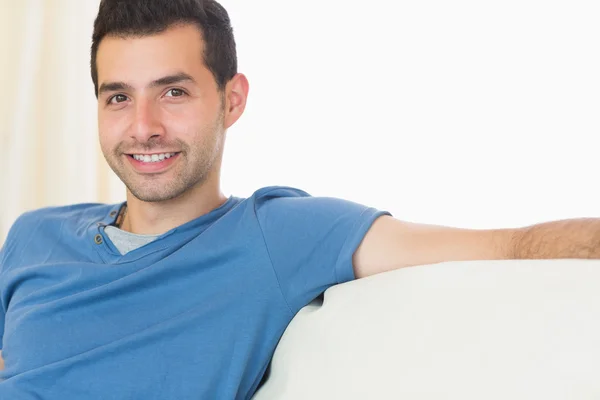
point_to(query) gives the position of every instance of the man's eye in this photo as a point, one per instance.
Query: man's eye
(175, 93)
(119, 98)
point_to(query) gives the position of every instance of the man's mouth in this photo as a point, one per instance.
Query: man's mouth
(152, 158)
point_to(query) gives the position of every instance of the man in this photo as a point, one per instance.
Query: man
(181, 292)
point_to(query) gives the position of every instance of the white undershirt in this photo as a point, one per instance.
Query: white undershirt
(126, 241)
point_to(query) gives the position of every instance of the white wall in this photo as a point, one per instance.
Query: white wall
(464, 113)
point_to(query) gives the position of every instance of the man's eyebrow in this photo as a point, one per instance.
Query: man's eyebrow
(164, 81)
(113, 87)
(172, 79)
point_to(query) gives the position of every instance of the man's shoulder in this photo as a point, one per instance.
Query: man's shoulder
(288, 197)
(66, 212)
(48, 219)
(294, 205)
(269, 192)
(32, 229)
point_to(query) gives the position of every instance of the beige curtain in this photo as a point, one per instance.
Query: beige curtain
(48, 126)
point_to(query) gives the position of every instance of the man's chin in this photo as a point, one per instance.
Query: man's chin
(160, 187)
(154, 194)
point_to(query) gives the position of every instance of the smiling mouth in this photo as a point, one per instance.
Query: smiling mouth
(152, 158)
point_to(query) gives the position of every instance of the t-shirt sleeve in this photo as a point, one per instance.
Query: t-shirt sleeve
(7, 249)
(3, 252)
(2, 310)
(311, 240)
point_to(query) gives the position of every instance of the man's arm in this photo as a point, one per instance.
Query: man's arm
(392, 244)
(570, 238)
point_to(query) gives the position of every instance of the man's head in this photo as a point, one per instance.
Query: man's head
(165, 74)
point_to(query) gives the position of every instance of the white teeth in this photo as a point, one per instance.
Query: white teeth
(153, 158)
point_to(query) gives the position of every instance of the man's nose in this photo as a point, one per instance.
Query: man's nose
(146, 122)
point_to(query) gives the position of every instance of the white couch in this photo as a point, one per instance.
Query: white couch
(523, 329)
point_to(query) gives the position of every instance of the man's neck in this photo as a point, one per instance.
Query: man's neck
(156, 218)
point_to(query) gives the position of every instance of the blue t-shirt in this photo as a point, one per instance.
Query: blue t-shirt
(195, 314)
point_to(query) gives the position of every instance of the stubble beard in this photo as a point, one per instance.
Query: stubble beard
(191, 170)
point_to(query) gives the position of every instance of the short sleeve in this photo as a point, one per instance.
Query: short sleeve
(2, 318)
(7, 248)
(311, 240)
(2, 309)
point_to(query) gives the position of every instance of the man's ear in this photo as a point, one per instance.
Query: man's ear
(236, 95)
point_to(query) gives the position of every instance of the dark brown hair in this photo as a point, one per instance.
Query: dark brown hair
(137, 18)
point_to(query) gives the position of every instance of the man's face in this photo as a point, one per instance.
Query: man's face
(160, 114)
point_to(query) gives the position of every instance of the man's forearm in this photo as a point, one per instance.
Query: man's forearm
(572, 238)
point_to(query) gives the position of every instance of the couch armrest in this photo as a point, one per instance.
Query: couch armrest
(520, 329)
